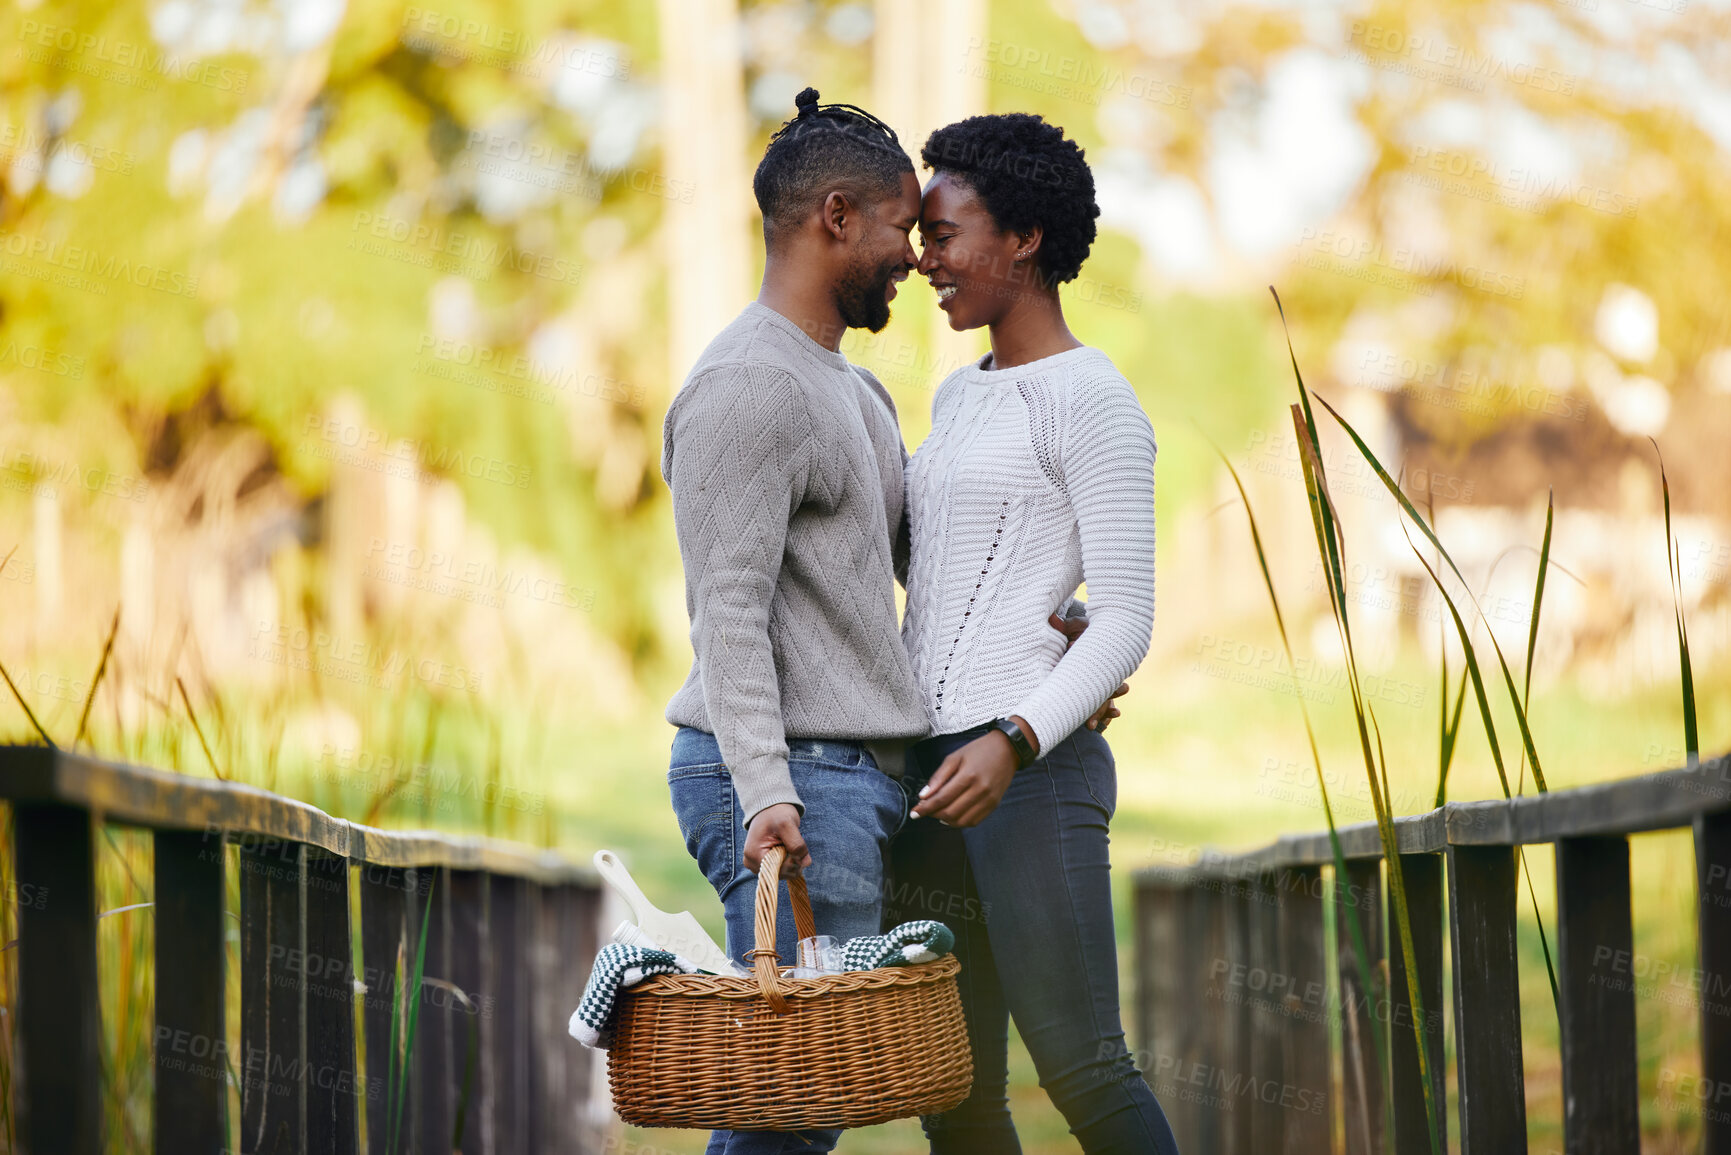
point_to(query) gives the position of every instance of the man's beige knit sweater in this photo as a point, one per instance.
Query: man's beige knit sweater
(785, 463)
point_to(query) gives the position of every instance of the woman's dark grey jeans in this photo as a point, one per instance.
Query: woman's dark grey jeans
(1028, 894)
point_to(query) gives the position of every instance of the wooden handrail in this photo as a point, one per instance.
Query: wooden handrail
(160, 800)
(1659, 801)
(509, 932)
(1240, 1020)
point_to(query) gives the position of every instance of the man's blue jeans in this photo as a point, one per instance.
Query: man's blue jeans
(1028, 894)
(851, 811)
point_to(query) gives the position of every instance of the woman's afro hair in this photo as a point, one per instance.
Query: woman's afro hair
(1028, 173)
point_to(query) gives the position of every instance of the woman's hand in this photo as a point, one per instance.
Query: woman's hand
(969, 783)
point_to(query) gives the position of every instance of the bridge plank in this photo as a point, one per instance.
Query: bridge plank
(59, 1015)
(1493, 1110)
(1595, 982)
(190, 1038)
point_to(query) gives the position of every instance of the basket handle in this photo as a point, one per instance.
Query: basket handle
(764, 959)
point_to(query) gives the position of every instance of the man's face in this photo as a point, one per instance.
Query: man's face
(881, 258)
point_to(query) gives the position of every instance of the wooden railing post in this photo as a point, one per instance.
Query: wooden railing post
(443, 1025)
(272, 997)
(597, 1118)
(1159, 980)
(1309, 1122)
(1361, 1068)
(332, 1103)
(1207, 1042)
(59, 1013)
(1233, 1069)
(472, 1025)
(1487, 999)
(1595, 982)
(384, 932)
(577, 937)
(1422, 874)
(546, 1026)
(190, 1039)
(1184, 1025)
(508, 971)
(1713, 909)
(1261, 986)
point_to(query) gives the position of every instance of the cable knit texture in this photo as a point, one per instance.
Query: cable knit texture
(1034, 479)
(786, 463)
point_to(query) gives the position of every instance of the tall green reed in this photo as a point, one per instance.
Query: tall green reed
(1368, 974)
(1331, 547)
(1674, 567)
(1465, 636)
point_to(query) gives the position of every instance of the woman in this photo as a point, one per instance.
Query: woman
(1038, 474)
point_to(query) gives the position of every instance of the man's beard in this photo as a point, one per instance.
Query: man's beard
(860, 296)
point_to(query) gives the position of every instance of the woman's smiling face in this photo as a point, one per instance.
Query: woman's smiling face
(968, 259)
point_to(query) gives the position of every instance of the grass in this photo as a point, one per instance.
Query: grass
(1194, 763)
(613, 793)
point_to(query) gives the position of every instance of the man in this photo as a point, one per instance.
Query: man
(785, 464)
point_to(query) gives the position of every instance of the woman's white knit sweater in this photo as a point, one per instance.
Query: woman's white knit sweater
(1034, 479)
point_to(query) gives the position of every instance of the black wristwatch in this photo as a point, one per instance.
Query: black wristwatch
(1024, 748)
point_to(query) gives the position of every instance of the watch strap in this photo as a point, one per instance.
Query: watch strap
(1019, 740)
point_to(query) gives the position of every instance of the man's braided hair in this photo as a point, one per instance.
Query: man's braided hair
(826, 148)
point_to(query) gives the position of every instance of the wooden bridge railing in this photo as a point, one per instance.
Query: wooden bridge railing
(510, 935)
(1240, 1026)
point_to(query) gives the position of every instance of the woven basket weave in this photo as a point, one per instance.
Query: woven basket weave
(774, 1054)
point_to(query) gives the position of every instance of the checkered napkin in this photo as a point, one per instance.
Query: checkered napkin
(919, 941)
(618, 965)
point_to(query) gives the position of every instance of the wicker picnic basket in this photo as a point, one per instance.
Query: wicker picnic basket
(768, 1053)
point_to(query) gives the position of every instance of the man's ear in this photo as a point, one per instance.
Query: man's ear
(840, 215)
